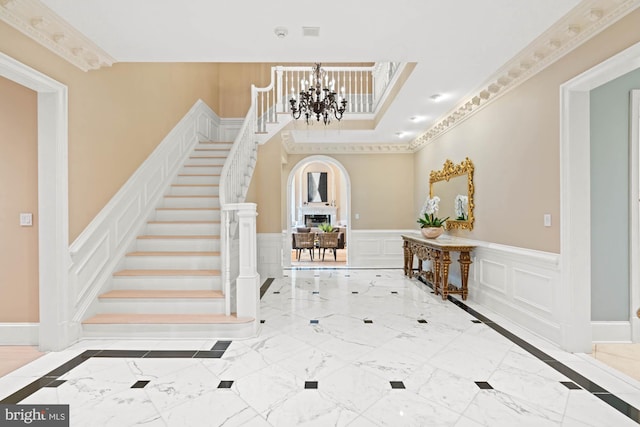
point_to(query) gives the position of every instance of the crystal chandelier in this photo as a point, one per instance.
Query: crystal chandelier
(317, 101)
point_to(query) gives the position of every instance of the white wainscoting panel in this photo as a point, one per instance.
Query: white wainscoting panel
(100, 247)
(376, 248)
(520, 284)
(270, 255)
(229, 129)
(19, 333)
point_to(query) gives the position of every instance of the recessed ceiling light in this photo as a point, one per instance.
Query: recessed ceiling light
(417, 119)
(436, 97)
(281, 32)
(399, 134)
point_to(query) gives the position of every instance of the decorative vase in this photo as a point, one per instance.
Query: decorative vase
(431, 232)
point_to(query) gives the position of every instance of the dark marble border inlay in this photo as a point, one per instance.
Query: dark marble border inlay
(311, 385)
(585, 383)
(225, 384)
(397, 385)
(51, 379)
(422, 321)
(367, 321)
(265, 286)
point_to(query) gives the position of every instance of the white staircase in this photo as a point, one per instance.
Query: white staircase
(169, 286)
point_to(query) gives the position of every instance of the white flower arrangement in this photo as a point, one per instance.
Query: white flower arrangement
(427, 213)
(461, 206)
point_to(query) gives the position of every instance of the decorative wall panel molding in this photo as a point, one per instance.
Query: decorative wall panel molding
(34, 19)
(270, 254)
(376, 248)
(579, 25)
(520, 284)
(292, 147)
(95, 253)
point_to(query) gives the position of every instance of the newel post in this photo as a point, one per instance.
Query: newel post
(248, 281)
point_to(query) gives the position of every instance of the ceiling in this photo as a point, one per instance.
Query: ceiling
(457, 44)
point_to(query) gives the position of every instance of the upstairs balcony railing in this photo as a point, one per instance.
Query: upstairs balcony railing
(364, 88)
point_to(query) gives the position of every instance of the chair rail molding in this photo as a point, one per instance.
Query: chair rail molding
(101, 245)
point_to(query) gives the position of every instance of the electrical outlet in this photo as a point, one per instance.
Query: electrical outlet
(26, 219)
(357, 216)
(547, 220)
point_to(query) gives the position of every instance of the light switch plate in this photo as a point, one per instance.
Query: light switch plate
(547, 220)
(26, 219)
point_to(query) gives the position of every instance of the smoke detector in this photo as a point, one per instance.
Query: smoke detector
(281, 32)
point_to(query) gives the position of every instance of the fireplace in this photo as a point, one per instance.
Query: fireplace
(316, 220)
(316, 215)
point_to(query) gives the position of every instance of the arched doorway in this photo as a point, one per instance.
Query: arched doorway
(339, 197)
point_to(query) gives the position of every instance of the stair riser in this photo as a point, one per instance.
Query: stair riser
(190, 202)
(202, 160)
(199, 170)
(192, 245)
(177, 331)
(194, 191)
(160, 306)
(197, 179)
(208, 151)
(172, 262)
(183, 229)
(187, 215)
(166, 283)
(225, 145)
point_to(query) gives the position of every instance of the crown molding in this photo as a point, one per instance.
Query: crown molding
(576, 27)
(291, 147)
(34, 19)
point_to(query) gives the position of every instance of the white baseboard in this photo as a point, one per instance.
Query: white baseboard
(19, 333)
(611, 331)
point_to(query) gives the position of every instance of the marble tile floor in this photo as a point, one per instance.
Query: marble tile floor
(337, 348)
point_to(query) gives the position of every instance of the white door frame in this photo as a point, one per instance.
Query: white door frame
(575, 209)
(53, 206)
(286, 252)
(634, 217)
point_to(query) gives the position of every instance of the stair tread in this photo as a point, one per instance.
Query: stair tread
(114, 318)
(195, 185)
(202, 166)
(157, 272)
(173, 253)
(192, 196)
(199, 174)
(135, 293)
(183, 222)
(174, 236)
(188, 209)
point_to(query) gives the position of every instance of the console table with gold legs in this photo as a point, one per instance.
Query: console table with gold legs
(438, 251)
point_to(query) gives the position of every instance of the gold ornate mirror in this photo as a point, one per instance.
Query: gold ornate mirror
(454, 185)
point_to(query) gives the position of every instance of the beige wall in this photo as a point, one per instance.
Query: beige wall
(118, 115)
(18, 193)
(380, 188)
(514, 144)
